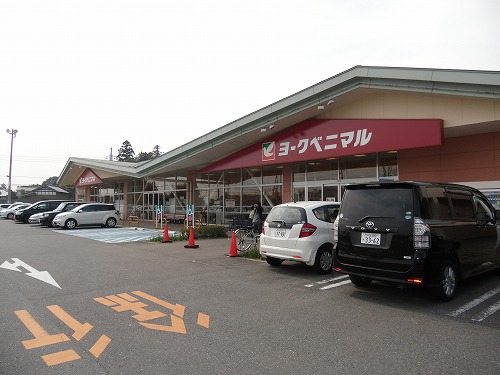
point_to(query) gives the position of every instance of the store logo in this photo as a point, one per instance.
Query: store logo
(87, 180)
(268, 151)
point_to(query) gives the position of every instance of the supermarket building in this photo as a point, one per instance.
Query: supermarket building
(364, 124)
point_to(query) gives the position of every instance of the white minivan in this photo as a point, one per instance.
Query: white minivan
(89, 214)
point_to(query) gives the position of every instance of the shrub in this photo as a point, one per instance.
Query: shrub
(206, 231)
(252, 253)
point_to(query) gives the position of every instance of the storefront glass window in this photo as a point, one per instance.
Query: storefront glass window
(272, 174)
(216, 179)
(358, 166)
(322, 170)
(252, 176)
(181, 183)
(331, 193)
(271, 196)
(215, 204)
(299, 194)
(299, 172)
(250, 195)
(314, 193)
(387, 165)
(202, 181)
(232, 201)
(232, 177)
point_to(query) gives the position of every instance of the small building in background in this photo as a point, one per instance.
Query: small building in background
(32, 194)
(3, 195)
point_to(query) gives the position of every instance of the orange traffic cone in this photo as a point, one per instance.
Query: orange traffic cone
(191, 243)
(166, 237)
(233, 251)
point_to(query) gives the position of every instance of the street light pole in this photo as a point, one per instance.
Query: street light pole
(12, 133)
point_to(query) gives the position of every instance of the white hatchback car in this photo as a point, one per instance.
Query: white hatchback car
(89, 214)
(301, 232)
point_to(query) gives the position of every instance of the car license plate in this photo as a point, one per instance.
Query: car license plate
(280, 232)
(370, 238)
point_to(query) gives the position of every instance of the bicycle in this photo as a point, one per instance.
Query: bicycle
(245, 238)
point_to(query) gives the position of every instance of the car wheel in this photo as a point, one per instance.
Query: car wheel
(324, 261)
(274, 262)
(111, 222)
(359, 280)
(70, 224)
(447, 281)
(10, 216)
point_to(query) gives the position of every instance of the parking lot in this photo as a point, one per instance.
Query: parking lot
(115, 235)
(130, 307)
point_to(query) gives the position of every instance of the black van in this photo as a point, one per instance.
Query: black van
(22, 216)
(420, 233)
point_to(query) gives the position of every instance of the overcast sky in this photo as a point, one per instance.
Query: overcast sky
(78, 78)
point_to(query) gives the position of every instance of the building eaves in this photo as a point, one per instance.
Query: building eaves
(207, 149)
(484, 84)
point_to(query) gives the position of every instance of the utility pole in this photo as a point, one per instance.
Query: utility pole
(12, 133)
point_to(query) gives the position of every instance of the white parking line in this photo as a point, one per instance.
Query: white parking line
(487, 312)
(336, 285)
(321, 282)
(474, 302)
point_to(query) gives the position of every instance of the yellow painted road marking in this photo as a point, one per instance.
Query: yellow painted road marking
(100, 345)
(177, 326)
(79, 328)
(203, 320)
(177, 309)
(42, 338)
(60, 357)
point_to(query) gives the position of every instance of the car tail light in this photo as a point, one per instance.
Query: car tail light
(263, 230)
(421, 234)
(306, 230)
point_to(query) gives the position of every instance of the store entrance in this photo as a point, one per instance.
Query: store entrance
(317, 192)
(152, 203)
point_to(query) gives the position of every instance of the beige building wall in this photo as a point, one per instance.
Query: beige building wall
(471, 147)
(456, 112)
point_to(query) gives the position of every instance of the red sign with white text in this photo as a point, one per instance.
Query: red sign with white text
(88, 178)
(319, 138)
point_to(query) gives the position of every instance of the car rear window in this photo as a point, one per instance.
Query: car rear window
(289, 215)
(395, 202)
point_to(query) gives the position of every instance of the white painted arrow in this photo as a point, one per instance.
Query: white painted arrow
(40, 275)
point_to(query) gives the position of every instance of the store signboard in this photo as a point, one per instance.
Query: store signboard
(87, 178)
(323, 138)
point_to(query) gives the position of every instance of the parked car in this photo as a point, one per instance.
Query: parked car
(89, 214)
(45, 218)
(418, 233)
(23, 215)
(300, 232)
(8, 213)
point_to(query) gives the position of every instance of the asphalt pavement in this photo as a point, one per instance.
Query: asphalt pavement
(161, 308)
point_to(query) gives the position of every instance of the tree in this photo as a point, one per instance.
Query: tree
(51, 181)
(126, 152)
(156, 151)
(143, 156)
